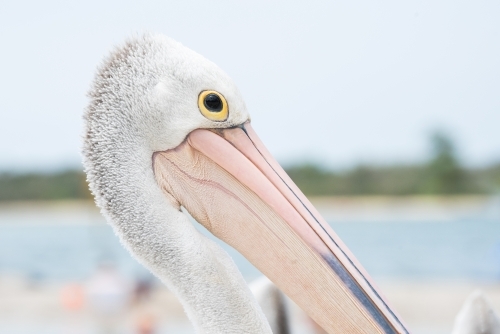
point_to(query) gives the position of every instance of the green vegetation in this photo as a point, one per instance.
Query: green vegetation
(54, 186)
(443, 174)
(395, 180)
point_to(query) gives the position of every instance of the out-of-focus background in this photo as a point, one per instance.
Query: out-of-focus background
(385, 114)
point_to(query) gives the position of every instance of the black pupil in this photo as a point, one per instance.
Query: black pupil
(213, 102)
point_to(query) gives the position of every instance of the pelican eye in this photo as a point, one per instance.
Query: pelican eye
(213, 105)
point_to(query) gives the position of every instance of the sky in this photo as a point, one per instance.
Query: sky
(338, 83)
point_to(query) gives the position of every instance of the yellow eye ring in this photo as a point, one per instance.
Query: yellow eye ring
(213, 105)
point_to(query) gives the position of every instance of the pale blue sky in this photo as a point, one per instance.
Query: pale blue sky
(337, 82)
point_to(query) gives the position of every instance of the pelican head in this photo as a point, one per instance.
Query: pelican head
(167, 129)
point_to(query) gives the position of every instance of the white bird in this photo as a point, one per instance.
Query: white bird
(273, 304)
(476, 317)
(166, 128)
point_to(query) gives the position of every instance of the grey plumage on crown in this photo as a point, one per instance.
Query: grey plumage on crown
(142, 96)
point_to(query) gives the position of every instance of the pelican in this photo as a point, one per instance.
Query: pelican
(476, 316)
(166, 129)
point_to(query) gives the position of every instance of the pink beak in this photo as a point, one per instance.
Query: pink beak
(229, 183)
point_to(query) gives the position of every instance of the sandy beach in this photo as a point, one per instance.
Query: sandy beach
(407, 208)
(426, 307)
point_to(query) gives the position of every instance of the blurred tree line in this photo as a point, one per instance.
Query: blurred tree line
(442, 174)
(69, 184)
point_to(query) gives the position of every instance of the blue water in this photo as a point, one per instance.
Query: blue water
(389, 250)
(441, 250)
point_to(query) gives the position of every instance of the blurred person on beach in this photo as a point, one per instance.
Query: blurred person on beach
(109, 294)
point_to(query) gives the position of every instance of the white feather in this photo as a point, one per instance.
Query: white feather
(476, 317)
